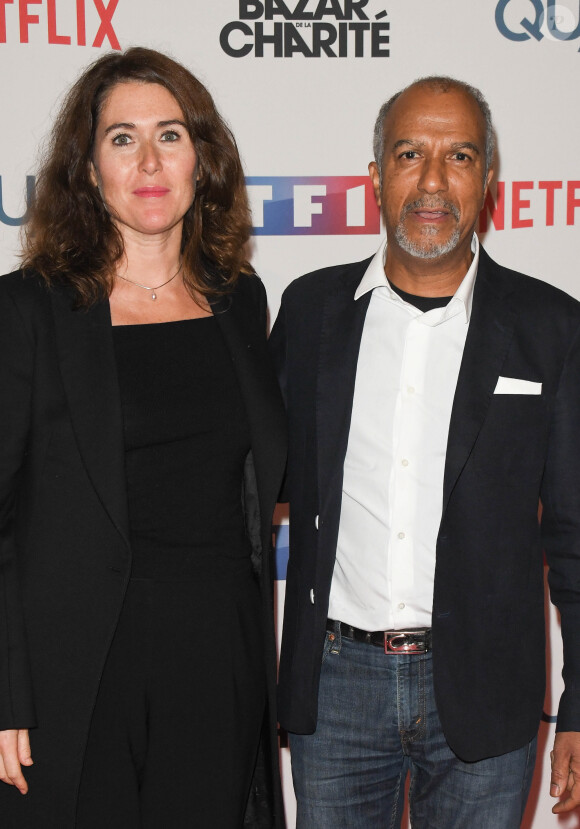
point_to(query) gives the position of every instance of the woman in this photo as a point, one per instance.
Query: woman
(142, 452)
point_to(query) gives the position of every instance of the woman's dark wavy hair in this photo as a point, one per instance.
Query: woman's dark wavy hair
(70, 237)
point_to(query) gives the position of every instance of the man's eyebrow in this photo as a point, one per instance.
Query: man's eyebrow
(127, 126)
(466, 145)
(403, 142)
(457, 145)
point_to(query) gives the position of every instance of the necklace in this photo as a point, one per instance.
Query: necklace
(147, 288)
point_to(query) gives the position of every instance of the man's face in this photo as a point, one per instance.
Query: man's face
(433, 183)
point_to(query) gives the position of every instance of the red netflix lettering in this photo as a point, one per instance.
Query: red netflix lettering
(572, 201)
(518, 203)
(25, 18)
(53, 37)
(496, 209)
(81, 30)
(106, 28)
(57, 13)
(3, 4)
(550, 187)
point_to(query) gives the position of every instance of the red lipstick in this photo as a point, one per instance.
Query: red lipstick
(150, 192)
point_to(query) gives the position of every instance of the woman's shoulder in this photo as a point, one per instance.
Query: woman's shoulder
(250, 284)
(23, 283)
(250, 292)
(26, 290)
(245, 301)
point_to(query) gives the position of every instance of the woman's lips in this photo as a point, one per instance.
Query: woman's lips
(150, 192)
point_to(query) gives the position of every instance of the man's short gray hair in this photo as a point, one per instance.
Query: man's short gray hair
(443, 84)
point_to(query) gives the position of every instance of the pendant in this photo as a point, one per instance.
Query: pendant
(153, 296)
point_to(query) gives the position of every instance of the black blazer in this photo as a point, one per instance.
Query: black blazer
(65, 555)
(504, 453)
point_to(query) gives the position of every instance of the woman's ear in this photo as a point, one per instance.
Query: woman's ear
(93, 175)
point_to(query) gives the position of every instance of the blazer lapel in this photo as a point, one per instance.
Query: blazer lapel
(341, 332)
(490, 332)
(89, 374)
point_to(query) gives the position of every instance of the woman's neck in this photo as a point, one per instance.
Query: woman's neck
(150, 260)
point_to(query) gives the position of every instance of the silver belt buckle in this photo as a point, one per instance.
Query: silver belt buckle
(394, 646)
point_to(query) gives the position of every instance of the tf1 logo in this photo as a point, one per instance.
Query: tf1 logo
(286, 206)
(555, 15)
(313, 205)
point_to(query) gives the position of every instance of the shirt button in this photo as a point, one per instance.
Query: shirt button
(401, 605)
(410, 389)
(316, 522)
(401, 535)
(312, 596)
(405, 462)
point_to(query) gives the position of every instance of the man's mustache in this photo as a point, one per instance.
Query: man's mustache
(430, 204)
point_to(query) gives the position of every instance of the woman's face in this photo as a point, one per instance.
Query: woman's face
(144, 162)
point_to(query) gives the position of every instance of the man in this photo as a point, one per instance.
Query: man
(433, 399)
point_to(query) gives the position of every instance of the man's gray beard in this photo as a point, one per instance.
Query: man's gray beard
(425, 249)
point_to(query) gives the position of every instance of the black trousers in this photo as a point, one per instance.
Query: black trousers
(175, 731)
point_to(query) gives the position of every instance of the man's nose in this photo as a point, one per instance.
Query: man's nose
(433, 177)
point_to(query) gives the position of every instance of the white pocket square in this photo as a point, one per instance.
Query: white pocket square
(511, 385)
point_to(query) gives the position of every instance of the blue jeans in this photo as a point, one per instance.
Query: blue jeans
(377, 720)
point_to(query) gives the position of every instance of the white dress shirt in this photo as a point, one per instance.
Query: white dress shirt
(392, 492)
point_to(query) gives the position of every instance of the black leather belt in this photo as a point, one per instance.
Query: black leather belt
(393, 641)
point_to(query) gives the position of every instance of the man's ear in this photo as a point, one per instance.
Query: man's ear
(376, 180)
(488, 180)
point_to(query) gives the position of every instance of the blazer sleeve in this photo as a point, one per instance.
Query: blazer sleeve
(16, 374)
(262, 302)
(277, 344)
(560, 496)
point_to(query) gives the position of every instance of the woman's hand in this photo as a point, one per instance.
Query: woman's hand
(14, 753)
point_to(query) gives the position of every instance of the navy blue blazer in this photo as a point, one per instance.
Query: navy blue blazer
(504, 453)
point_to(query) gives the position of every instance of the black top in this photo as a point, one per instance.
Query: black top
(186, 440)
(423, 303)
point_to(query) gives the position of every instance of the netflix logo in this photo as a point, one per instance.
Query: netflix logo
(63, 22)
(520, 204)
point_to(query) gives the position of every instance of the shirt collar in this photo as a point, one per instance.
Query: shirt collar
(375, 277)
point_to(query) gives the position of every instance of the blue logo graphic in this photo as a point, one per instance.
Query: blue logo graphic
(15, 221)
(284, 205)
(281, 535)
(555, 15)
(313, 205)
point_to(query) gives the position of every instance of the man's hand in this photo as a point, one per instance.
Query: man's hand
(566, 770)
(14, 753)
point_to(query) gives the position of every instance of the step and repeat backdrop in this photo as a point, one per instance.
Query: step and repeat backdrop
(300, 82)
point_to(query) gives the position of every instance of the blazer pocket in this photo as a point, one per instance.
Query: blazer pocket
(512, 385)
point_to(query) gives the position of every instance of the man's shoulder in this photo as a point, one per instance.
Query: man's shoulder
(529, 290)
(324, 280)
